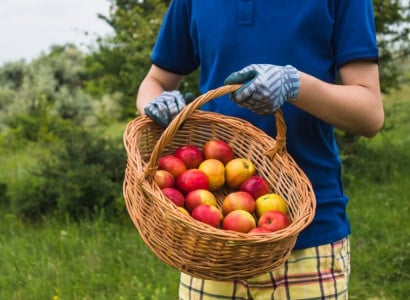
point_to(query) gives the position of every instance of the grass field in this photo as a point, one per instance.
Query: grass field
(379, 208)
(59, 259)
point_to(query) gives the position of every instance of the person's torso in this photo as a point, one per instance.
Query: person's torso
(225, 36)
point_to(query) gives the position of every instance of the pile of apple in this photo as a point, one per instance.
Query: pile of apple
(191, 176)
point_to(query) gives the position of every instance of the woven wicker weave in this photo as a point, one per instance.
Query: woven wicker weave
(193, 247)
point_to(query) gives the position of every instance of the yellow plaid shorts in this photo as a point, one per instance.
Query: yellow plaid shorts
(314, 273)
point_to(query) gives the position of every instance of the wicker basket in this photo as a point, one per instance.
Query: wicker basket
(193, 247)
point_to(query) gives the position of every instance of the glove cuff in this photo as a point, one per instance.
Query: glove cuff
(291, 82)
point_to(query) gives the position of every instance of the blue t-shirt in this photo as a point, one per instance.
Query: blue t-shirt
(316, 37)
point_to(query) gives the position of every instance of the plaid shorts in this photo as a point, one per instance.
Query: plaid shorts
(314, 273)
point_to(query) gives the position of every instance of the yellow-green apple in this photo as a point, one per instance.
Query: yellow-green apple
(237, 171)
(219, 150)
(164, 179)
(274, 220)
(191, 155)
(215, 170)
(208, 214)
(199, 196)
(239, 220)
(174, 195)
(258, 229)
(192, 179)
(184, 210)
(172, 164)
(271, 201)
(238, 200)
(256, 186)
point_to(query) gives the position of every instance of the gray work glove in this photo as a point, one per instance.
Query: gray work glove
(163, 109)
(265, 87)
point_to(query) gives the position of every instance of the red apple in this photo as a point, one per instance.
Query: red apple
(197, 197)
(219, 150)
(239, 220)
(172, 164)
(259, 230)
(256, 186)
(274, 220)
(191, 155)
(174, 195)
(192, 179)
(164, 179)
(207, 214)
(238, 200)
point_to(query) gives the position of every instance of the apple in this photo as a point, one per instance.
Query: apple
(172, 164)
(197, 197)
(174, 195)
(256, 186)
(237, 171)
(271, 201)
(238, 200)
(259, 229)
(215, 170)
(207, 214)
(164, 179)
(239, 220)
(184, 210)
(219, 150)
(192, 179)
(274, 220)
(191, 155)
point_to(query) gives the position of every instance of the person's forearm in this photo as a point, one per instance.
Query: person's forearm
(148, 90)
(156, 81)
(350, 107)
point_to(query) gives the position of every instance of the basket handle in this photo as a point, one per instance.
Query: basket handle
(173, 127)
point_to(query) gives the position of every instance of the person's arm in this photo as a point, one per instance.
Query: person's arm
(155, 82)
(355, 106)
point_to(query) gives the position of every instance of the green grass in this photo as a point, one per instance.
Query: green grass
(58, 259)
(379, 208)
(91, 260)
(380, 240)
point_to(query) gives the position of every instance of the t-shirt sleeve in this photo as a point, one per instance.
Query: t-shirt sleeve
(173, 50)
(355, 34)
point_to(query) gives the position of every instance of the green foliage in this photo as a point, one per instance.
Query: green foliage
(393, 35)
(119, 63)
(11, 75)
(79, 175)
(50, 85)
(47, 117)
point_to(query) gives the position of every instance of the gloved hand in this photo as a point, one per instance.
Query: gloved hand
(265, 87)
(163, 109)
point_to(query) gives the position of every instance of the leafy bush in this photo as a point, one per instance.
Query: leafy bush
(80, 175)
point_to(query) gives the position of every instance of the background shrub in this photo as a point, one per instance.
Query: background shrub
(78, 176)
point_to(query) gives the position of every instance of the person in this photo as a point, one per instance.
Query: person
(318, 62)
